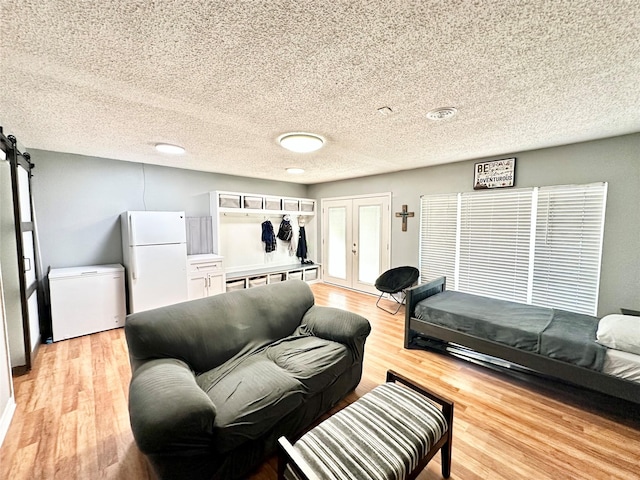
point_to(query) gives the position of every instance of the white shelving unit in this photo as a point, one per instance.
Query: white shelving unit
(256, 204)
(238, 218)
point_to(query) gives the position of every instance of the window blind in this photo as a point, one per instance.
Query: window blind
(438, 226)
(495, 233)
(568, 247)
(541, 246)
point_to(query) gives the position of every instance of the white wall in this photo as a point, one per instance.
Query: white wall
(7, 401)
(241, 243)
(614, 160)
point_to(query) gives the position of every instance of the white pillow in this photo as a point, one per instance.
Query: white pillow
(621, 332)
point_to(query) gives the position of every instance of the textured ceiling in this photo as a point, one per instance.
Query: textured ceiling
(225, 79)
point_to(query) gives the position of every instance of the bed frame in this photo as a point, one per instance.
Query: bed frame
(422, 334)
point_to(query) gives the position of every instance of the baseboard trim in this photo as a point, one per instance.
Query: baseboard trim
(5, 420)
(19, 370)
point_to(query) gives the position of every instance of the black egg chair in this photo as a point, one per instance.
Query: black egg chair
(395, 281)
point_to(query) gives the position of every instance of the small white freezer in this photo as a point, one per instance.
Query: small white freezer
(86, 300)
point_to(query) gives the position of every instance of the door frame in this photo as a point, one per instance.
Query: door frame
(385, 240)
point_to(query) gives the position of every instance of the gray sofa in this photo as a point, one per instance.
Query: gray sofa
(217, 381)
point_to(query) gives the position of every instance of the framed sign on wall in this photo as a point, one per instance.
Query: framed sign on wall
(494, 174)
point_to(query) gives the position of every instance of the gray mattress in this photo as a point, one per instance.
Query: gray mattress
(562, 335)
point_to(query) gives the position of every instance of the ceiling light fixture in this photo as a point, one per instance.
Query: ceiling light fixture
(295, 170)
(439, 114)
(171, 149)
(301, 142)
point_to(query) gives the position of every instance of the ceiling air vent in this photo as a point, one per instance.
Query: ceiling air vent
(441, 113)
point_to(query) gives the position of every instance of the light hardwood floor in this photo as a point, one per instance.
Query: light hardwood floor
(71, 421)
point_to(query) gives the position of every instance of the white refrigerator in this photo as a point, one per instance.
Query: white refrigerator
(154, 250)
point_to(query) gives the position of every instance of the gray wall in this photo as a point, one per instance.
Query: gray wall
(614, 160)
(78, 201)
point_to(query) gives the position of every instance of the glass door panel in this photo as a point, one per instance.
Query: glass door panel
(337, 242)
(369, 240)
(337, 261)
(25, 202)
(29, 258)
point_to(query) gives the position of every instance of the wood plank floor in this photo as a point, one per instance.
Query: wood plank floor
(72, 422)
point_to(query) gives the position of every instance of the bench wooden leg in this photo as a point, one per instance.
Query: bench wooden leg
(447, 411)
(446, 459)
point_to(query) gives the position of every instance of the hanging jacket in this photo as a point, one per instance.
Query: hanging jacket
(301, 252)
(268, 237)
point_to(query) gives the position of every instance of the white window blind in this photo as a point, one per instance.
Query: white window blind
(438, 224)
(495, 233)
(568, 247)
(541, 246)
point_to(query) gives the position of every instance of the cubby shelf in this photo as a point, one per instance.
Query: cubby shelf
(250, 203)
(254, 211)
(310, 273)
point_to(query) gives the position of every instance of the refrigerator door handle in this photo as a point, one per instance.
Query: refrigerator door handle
(132, 231)
(134, 263)
(132, 242)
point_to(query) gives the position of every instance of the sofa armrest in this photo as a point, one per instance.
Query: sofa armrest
(336, 325)
(169, 412)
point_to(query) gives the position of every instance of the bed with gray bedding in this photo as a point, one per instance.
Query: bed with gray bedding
(554, 343)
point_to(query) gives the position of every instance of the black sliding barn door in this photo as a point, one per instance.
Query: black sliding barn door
(26, 252)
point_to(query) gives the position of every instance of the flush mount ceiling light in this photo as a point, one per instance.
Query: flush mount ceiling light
(441, 113)
(168, 148)
(295, 170)
(301, 142)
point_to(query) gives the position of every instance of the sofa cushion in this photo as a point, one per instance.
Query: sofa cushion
(250, 397)
(208, 332)
(313, 361)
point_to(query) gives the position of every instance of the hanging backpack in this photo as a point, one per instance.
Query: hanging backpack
(285, 232)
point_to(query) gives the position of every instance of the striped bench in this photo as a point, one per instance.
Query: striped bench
(391, 433)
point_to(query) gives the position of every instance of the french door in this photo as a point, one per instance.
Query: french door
(356, 240)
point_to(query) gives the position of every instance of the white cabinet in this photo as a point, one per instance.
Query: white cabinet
(86, 300)
(205, 275)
